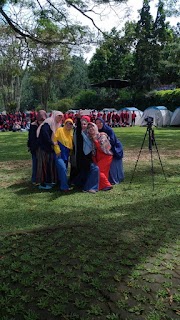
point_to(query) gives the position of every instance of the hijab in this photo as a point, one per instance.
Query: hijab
(51, 121)
(40, 116)
(64, 136)
(116, 145)
(86, 118)
(87, 143)
(103, 139)
(92, 124)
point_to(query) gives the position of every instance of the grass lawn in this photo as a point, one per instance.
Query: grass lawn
(107, 256)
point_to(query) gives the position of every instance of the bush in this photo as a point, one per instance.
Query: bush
(125, 98)
(62, 105)
(167, 98)
(86, 99)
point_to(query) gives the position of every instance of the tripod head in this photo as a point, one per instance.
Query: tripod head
(149, 121)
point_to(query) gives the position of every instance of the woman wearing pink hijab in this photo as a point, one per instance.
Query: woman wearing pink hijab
(46, 170)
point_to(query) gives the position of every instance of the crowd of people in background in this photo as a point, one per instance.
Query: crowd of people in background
(20, 121)
(85, 144)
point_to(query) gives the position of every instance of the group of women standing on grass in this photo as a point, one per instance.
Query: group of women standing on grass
(94, 152)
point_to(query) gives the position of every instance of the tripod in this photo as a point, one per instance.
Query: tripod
(152, 142)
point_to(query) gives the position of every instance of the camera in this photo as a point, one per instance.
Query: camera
(149, 120)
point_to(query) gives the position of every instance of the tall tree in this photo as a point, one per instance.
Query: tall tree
(152, 36)
(169, 67)
(75, 80)
(146, 54)
(49, 64)
(114, 57)
(14, 59)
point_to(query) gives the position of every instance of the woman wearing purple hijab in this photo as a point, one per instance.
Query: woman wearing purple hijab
(116, 174)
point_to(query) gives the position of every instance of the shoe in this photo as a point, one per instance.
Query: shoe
(92, 191)
(66, 190)
(35, 184)
(52, 184)
(107, 188)
(46, 187)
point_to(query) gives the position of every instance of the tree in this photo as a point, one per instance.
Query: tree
(49, 64)
(152, 37)
(114, 57)
(145, 55)
(14, 60)
(48, 16)
(75, 80)
(169, 67)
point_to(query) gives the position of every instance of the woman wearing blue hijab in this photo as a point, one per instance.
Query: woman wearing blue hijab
(116, 174)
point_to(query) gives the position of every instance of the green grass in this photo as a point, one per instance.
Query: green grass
(112, 255)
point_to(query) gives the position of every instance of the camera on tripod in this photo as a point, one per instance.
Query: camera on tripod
(149, 121)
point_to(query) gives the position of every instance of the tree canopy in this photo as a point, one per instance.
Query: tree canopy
(39, 41)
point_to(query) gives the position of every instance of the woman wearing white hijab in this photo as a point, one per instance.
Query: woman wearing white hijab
(46, 170)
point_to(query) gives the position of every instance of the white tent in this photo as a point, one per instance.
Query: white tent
(175, 119)
(160, 114)
(130, 110)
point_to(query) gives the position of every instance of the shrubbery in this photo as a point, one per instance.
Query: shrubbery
(62, 105)
(167, 98)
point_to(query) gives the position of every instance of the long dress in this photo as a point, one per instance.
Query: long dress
(46, 170)
(87, 174)
(103, 161)
(32, 144)
(116, 173)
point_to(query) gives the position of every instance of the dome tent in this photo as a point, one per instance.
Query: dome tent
(130, 111)
(160, 114)
(175, 119)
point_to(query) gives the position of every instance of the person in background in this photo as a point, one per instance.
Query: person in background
(102, 155)
(46, 169)
(32, 142)
(133, 118)
(87, 176)
(116, 174)
(63, 145)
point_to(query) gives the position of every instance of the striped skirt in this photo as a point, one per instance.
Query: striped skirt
(46, 169)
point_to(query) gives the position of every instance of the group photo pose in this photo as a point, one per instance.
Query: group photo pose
(74, 153)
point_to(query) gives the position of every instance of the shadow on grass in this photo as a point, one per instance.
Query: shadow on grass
(25, 188)
(120, 264)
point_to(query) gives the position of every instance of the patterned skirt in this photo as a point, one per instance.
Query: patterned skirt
(46, 169)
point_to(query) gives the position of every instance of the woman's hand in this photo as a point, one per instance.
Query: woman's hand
(58, 155)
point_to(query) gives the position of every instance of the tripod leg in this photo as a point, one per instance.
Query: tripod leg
(152, 168)
(138, 157)
(160, 159)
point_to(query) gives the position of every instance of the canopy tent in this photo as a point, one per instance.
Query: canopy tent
(160, 114)
(175, 119)
(130, 110)
(112, 83)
